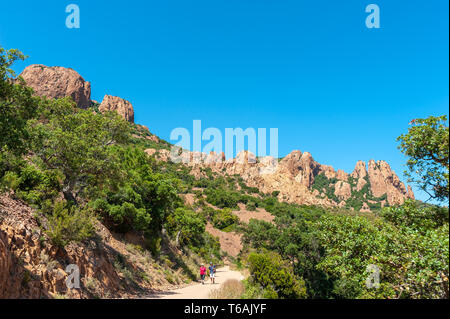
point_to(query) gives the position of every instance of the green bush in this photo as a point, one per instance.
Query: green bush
(224, 218)
(10, 181)
(68, 223)
(275, 276)
(410, 215)
(222, 198)
(251, 206)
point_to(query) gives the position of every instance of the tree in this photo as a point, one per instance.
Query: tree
(17, 104)
(412, 263)
(78, 143)
(138, 198)
(260, 234)
(187, 226)
(427, 147)
(275, 276)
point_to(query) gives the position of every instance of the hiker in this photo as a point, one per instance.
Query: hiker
(212, 272)
(203, 273)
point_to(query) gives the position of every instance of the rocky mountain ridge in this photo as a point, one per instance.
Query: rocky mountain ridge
(297, 178)
(58, 82)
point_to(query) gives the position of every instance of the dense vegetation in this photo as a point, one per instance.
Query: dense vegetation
(331, 251)
(395, 252)
(75, 166)
(78, 166)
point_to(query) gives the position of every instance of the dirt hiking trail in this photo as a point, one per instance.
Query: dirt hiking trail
(199, 291)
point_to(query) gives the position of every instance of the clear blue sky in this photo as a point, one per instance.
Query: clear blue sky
(310, 68)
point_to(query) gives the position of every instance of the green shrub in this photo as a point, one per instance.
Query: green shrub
(224, 218)
(222, 198)
(412, 216)
(10, 181)
(275, 276)
(68, 223)
(413, 257)
(251, 206)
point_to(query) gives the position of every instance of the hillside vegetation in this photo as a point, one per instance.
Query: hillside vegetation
(80, 170)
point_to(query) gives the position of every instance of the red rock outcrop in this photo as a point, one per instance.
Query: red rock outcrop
(295, 175)
(342, 190)
(119, 105)
(384, 181)
(360, 170)
(31, 267)
(58, 82)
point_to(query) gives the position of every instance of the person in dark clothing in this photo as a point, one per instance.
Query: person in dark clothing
(212, 272)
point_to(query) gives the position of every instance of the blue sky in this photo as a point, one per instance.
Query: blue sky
(310, 68)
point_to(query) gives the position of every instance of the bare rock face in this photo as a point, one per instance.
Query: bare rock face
(384, 181)
(119, 105)
(361, 183)
(410, 193)
(328, 171)
(341, 175)
(5, 263)
(58, 82)
(32, 267)
(302, 167)
(309, 168)
(343, 190)
(360, 170)
(291, 161)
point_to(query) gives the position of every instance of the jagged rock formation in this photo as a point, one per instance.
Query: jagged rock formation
(342, 190)
(58, 82)
(119, 105)
(297, 177)
(384, 181)
(300, 179)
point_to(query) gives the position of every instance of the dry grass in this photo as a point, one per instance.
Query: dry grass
(231, 289)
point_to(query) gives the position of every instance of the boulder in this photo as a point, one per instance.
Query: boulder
(58, 82)
(119, 105)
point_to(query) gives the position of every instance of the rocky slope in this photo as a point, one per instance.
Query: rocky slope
(300, 179)
(110, 266)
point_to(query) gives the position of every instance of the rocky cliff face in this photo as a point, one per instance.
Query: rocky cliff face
(31, 267)
(297, 177)
(119, 105)
(58, 82)
(300, 179)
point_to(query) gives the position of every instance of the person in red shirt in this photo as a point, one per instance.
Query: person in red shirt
(203, 273)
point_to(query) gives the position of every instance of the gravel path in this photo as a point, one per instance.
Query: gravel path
(199, 291)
